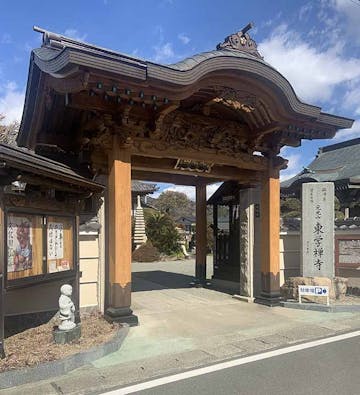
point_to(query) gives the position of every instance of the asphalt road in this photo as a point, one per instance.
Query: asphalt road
(327, 369)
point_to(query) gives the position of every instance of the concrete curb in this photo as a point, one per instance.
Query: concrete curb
(47, 370)
(322, 307)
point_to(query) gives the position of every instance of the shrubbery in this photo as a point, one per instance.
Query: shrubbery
(161, 231)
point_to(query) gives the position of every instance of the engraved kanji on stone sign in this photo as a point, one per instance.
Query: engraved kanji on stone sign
(318, 230)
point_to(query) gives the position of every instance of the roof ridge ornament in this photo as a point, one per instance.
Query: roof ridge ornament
(241, 41)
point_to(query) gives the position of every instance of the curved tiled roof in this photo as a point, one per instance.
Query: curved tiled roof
(62, 57)
(26, 160)
(194, 60)
(337, 162)
(143, 187)
(59, 55)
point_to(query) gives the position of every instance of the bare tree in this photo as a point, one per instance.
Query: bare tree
(9, 132)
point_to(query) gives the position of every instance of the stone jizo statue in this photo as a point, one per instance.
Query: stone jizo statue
(66, 308)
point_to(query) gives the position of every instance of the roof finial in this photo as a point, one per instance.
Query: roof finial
(241, 41)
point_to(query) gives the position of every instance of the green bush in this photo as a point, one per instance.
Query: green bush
(160, 230)
(290, 207)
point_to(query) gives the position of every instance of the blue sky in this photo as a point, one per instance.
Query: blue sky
(314, 44)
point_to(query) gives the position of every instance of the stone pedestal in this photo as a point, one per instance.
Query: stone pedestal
(64, 337)
(337, 287)
(121, 315)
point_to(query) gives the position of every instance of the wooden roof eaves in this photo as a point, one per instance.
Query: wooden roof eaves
(33, 163)
(251, 66)
(24, 135)
(151, 71)
(78, 57)
(116, 64)
(336, 120)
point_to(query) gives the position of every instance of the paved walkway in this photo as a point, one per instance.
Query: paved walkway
(183, 327)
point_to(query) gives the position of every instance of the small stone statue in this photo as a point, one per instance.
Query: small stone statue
(66, 308)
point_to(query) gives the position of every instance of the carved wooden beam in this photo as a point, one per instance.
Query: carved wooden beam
(178, 179)
(168, 165)
(156, 149)
(279, 163)
(161, 114)
(259, 138)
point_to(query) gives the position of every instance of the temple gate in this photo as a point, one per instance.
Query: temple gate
(220, 115)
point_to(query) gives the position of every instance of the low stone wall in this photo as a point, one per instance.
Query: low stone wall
(337, 287)
(290, 255)
(355, 291)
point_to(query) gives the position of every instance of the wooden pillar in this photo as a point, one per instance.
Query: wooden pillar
(270, 238)
(200, 268)
(119, 235)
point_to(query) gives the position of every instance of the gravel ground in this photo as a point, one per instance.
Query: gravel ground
(34, 346)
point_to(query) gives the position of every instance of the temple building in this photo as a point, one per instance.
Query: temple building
(221, 115)
(141, 189)
(338, 163)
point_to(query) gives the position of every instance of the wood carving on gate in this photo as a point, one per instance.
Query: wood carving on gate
(197, 132)
(240, 41)
(177, 130)
(235, 99)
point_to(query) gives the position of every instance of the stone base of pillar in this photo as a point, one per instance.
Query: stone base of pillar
(197, 283)
(121, 315)
(200, 272)
(267, 299)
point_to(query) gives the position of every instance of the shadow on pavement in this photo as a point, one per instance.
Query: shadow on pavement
(159, 279)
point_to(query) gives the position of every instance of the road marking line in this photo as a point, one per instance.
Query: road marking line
(229, 364)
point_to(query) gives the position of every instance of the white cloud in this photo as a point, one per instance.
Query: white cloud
(351, 10)
(184, 38)
(352, 97)
(347, 134)
(272, 21)
(314, 73)
(11, 102)
(294, 166)
(164, 53)
(304, 11)
(76, 35)
(188, 190)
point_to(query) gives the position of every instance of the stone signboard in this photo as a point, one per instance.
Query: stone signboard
(317, 229)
